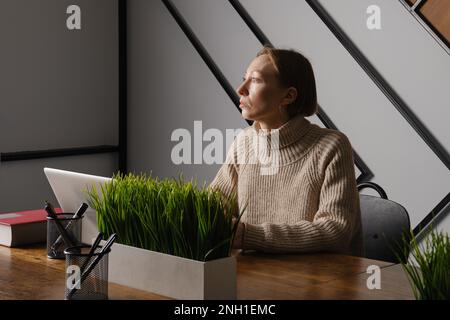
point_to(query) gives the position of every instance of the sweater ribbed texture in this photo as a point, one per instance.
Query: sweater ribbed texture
(299, 191)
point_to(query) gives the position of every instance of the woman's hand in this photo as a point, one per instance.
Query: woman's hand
(239, 237)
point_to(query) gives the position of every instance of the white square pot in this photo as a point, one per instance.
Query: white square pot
(172, 276)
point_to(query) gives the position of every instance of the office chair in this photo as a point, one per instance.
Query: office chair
(384, 224)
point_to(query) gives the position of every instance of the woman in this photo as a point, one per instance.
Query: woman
(310, 201)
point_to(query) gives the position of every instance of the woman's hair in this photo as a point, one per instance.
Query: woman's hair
(294, 70)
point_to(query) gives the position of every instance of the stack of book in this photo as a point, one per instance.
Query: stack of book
(23, 228)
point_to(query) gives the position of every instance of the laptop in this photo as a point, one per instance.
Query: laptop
(69, 189)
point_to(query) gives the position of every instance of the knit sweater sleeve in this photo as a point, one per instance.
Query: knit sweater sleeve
(336, 218)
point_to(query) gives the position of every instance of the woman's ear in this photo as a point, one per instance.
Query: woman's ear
(290, 96)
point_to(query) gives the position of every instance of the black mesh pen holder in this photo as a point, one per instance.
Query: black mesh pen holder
(86, 276)
(56, 242)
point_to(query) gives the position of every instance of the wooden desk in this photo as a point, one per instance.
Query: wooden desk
(27, 273)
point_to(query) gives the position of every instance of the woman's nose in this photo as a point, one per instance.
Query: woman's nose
(242, 89)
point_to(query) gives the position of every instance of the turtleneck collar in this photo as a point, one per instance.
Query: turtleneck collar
(290, 132)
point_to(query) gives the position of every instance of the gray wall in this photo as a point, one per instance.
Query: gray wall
(58, 89)
(170, 86)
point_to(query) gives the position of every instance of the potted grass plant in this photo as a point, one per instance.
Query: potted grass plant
(174, 238)
(427, 265)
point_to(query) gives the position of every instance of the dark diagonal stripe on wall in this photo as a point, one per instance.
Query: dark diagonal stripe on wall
(435, 213)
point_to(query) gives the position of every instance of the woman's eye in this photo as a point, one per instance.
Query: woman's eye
(252, 78)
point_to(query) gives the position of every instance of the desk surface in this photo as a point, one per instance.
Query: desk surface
(27, 273)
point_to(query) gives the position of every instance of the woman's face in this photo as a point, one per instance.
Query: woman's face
(261, 94)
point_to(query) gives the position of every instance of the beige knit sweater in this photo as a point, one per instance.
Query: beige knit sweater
(297, 184)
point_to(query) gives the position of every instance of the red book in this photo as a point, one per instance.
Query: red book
(24, 227)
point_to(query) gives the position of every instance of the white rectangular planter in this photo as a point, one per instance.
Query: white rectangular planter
(172, 276)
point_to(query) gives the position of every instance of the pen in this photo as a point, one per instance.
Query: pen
(92, 251)
(78, 214)
(51, 213)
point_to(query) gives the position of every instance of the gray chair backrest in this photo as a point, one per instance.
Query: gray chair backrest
(384, 224)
